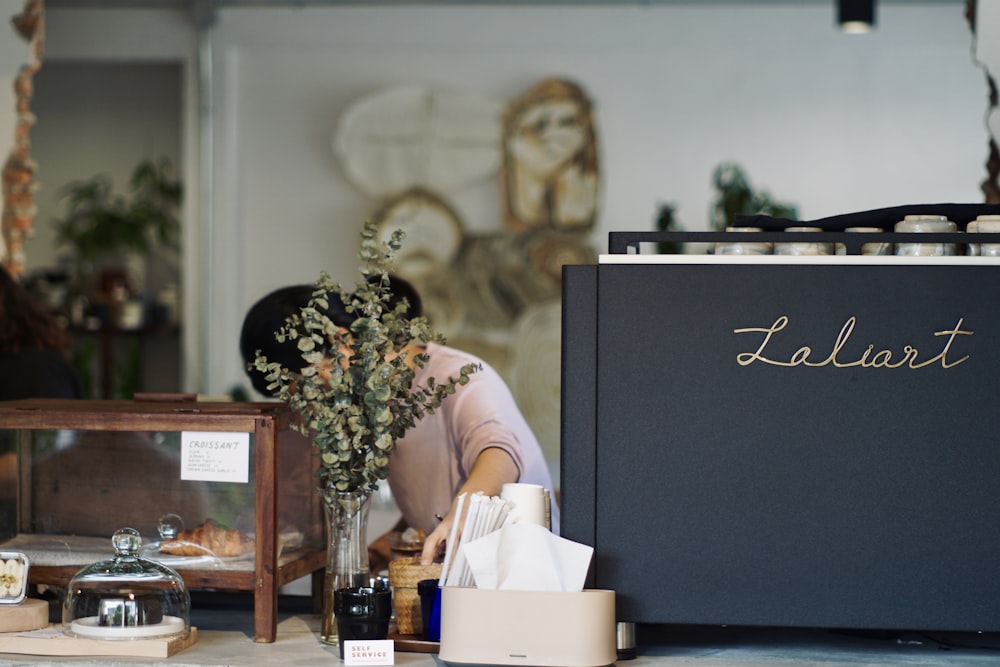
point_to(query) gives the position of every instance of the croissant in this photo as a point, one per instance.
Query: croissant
(209, 539)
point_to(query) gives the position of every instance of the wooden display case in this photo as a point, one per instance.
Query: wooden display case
(79, 470)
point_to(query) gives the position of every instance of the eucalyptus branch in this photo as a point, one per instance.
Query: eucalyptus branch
(355, 392)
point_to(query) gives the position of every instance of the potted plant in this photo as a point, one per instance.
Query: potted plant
(355, 397)
(735, 196)
(102, 227)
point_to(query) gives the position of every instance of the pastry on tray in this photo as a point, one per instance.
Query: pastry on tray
(209, 539)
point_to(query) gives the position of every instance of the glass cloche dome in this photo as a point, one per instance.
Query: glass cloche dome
(127, 597)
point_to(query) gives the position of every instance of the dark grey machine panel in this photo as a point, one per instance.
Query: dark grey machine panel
(786, 445)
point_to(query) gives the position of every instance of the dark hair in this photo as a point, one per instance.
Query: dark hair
(271, 312)
(268, 315)
(25, 323)
(402, 290)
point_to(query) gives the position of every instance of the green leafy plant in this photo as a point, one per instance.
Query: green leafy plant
(101, 222)
(355, 393)
(735, 196)
(666, 221)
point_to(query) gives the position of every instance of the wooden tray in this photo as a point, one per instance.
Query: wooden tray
(413, 643)
(29, 614)
(52, 641)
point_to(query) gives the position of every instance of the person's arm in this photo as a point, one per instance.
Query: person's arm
(494, 467)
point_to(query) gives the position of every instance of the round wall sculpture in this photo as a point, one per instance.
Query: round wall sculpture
(495, 293)
(416, 136)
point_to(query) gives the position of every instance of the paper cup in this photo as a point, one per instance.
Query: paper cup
(528, 502)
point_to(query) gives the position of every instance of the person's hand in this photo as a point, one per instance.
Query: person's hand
(436, 542)
(493, 468)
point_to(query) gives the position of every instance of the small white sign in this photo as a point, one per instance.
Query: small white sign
(215, 457)
(369, 652)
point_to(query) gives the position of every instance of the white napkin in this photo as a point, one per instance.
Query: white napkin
(527, 557)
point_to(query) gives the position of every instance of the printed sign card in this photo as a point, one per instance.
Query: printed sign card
(215, 457)
(369, 652)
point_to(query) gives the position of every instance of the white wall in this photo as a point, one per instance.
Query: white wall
(96, 117)
(72, 142)
(832, 122)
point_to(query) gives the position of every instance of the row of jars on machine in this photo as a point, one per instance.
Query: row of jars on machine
(911, 223)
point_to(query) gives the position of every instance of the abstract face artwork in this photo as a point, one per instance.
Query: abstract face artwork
(550, 172)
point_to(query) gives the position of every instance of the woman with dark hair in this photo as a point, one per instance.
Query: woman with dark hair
(34, 350)
(476, 441)
(270, 313)
(259, 324)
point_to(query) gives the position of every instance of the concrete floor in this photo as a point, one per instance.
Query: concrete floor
(784, 647)
(225, 639)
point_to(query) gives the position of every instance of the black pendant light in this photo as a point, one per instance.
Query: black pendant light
(856, 16)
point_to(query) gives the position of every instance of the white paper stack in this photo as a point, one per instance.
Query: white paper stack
(485, 515)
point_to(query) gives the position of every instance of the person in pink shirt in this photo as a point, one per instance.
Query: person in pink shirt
(477, 441)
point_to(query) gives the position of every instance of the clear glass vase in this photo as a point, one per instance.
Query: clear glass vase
(346, 550)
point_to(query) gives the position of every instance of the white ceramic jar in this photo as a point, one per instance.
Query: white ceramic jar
(880, 248)
(984, 224)
(743, 247)
(925, 224)
(800, 247)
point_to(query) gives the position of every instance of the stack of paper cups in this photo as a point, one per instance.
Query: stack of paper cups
(529, 503)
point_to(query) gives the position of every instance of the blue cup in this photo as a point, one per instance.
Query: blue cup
(430, 608)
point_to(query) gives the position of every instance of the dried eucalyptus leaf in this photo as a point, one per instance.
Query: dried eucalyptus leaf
(369, 401)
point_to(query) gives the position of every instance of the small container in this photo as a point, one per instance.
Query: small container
(867, 248)
(430, 609)
(127, 597)
(405, 574)
(13, 577)
(743, 247)
(801, 248)
(625, 640)
(927, 224)
(984, 224)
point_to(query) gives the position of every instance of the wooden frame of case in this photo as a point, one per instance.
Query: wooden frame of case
(263, 420)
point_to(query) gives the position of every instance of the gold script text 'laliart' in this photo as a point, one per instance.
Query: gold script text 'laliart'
(909, 357)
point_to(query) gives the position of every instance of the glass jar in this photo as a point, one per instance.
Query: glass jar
(126, 596)
(925, 224)
(13, 577)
